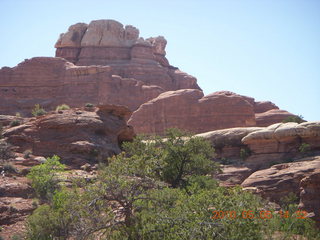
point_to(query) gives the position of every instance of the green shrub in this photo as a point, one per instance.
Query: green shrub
(296, 119)
(1, 131)
(89, 105)
(18, 115)
(245, 153)
(304, 148)
(27, 153)
(42, 177)
(38, 110)
(15, 123)
(7, 167)
(2, 238)
(144, 194)
(171, 160)
(62, 107)
(5, 151)
(16, 237)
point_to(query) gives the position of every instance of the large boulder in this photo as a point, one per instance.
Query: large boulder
(188, 109)
(310, 194)
(279, 180)
(227, 142)
(282, 142)
(76, 135)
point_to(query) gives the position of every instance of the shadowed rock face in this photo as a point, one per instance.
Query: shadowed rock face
(76, 135)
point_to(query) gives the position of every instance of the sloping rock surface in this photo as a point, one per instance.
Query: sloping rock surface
(76, 135)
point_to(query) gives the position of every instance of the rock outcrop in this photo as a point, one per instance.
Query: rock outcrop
(99, 134)
(279, 180)
(104, 42)
(188, 109)
(108, 42)
(54, 81)
(261, 147)
(282, 142)
(310, 194)
(99, 63)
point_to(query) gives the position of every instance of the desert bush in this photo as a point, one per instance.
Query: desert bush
(245, 153)
(297, 119)
(42, 177)
(16, 237)
(62, 107)
(8, 167)
(89, 105)
(1, 131)
(18, 115)
(156, 190)
(14, 123)
(38, 110)
(5, 151)
(304, 148)
(27, 153)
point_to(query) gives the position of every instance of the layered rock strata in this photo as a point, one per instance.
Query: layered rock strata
(190, 110)
(76, 135)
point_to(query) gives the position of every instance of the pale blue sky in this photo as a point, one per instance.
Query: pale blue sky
(266, 49)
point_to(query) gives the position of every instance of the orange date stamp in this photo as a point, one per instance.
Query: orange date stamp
(263, 214)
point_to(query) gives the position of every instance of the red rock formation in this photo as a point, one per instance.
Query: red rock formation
(189, 110)
(280, 180)
(108, 42)
(281, 142)
(77, 136)
(310, 195)
(54, 81)
(271, 116)
(117, 67)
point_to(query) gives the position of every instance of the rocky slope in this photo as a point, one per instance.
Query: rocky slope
(77, 135)
(272, 161)
(81, 137)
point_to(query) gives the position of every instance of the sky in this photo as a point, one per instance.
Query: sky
(265, 49)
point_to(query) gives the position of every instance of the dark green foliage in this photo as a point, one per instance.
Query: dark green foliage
(1, 131)
(89, 105)
(5, 151)
(9, 168)
(38, 110)
(245, 153)
(27, 153)
(297, 119)
(144, 194)
(16, 237)
(304, 148)
(42, 177)
(14, 123)
(170, 160)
